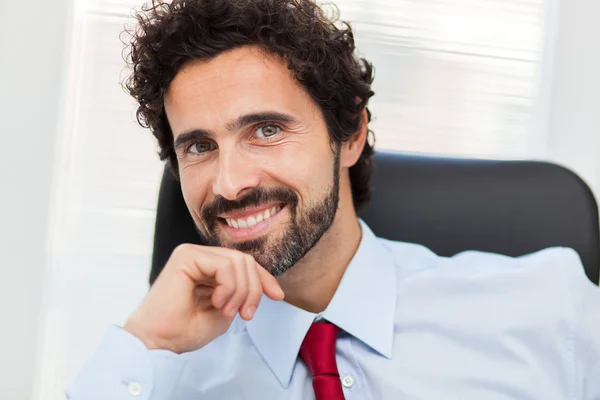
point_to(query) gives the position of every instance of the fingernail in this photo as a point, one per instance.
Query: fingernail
(251, 310)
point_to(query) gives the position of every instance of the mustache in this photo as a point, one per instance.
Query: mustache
(256, 197)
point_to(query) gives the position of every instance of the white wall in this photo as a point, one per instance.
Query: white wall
(572, 90)
(32, 43)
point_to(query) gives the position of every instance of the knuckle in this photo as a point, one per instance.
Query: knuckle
(248, 259)
(238, 256)
(181, 249)
(227, 265)
(239, 259)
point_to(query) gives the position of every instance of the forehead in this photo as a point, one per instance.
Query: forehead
(208, 94)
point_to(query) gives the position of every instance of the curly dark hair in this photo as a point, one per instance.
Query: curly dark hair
(319, 51)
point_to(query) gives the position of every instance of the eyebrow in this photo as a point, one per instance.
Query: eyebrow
(243, 120)
(190, 137)
(249, 119)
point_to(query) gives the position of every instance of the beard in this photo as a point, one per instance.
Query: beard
(278, 251)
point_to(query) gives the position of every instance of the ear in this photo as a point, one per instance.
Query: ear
(352, 149)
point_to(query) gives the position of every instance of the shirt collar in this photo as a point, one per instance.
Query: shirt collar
(364, 306)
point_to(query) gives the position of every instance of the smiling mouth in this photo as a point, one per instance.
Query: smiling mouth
(248, 221)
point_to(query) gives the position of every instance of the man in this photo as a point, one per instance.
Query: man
(260, 107)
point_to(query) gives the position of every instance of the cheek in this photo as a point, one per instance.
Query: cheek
(307, 171)
(195, 189)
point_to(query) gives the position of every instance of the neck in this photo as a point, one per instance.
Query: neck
(312, 282)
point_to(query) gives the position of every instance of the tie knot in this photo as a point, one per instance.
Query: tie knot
(318, 349)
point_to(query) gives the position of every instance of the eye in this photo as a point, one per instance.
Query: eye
(201, 147)
(267, 131)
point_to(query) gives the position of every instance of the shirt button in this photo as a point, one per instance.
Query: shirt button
(134, 388)
(348, 381)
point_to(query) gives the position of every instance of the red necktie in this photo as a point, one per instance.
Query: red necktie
(318, 353)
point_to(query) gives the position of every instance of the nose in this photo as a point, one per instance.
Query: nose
(235, 174)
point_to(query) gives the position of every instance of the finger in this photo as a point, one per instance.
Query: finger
(255, 290)
(240, 294)
(225, 282)
(198, 264)
(269, 284)
(209, 268)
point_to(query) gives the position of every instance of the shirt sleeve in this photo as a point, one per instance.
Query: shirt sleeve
(122, 368)
(585, 297)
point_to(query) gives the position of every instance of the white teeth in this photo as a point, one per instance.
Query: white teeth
(253, 220)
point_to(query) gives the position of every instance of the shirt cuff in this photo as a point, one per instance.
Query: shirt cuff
(122, 368)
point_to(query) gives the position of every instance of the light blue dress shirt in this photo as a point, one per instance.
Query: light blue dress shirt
(416, 326)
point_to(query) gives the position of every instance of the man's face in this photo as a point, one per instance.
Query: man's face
(257, 169)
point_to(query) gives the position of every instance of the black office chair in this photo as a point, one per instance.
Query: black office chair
(448, 205)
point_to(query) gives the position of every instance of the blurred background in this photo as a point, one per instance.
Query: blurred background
(505, 79)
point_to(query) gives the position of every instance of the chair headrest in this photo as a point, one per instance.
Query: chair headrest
(448, 205)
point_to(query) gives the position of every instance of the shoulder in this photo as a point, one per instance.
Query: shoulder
(545, 283)
(556, 270)
(550, 263)
(409, 258)
(556, 256)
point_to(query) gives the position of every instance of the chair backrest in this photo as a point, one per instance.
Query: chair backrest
(448, 205)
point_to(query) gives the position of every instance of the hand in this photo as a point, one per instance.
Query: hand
(197, 295)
